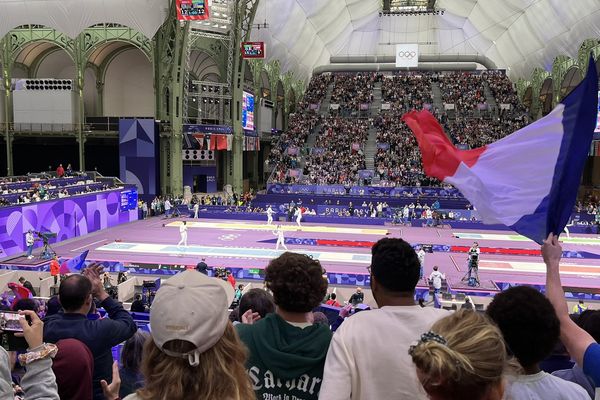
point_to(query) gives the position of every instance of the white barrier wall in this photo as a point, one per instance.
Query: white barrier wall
(44, 107)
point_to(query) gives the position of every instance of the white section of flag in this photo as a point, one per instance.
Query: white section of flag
(513, 175)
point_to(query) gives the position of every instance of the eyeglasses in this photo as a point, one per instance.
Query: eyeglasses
(369, 269)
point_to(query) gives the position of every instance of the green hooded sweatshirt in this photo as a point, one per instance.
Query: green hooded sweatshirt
(285, 362)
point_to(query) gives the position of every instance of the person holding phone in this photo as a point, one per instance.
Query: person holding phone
(39, 381)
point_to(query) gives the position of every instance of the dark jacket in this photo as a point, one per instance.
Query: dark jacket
(29, 286)
(285, 359)
(100, 336)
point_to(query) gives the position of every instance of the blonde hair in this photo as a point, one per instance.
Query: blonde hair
(470, 363)
(220, 375)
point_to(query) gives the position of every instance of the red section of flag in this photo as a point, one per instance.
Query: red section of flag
(221, 142)
(440, 158)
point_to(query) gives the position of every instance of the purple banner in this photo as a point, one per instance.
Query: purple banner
(68, 218)
(194, 128)
(383, 146)
(399, 191)
(364, 106)
(365, 173)
(138, 155)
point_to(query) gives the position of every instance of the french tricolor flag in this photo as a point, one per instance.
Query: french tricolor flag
(528, 180)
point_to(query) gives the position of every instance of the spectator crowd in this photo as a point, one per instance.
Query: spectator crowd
(274, 344)
(342, 138)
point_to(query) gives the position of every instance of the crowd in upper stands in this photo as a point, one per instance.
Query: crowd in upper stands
(397, 159)
(464, 90)
(275, 345)
(338, 152)
(406, 92)
(317, 88)
(48, 186)
(286, 150)
(352, 90)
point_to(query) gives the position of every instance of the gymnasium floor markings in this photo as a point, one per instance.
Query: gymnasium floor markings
(286, 228)
(233, 252)
(518, 238)
(517, 266)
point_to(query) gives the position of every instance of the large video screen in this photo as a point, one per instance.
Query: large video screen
(248, 111)
(598, 119)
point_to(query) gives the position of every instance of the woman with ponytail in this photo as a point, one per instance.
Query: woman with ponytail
(462, 357)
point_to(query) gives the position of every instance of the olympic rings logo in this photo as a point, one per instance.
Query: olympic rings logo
(407, 54)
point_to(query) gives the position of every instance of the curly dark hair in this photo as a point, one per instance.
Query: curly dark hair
(296, 281)
(258, 300)
(589, 321)
(395, 265)
(528, 323)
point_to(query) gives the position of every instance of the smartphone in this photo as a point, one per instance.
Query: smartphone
(9, 321)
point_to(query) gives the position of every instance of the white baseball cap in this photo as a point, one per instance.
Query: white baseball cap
(193, 307)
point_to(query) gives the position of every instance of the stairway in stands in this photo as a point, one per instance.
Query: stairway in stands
(312, 137)
(377, 98)
(371, 148)
(436, 95)
(489, 98)
(324, 110)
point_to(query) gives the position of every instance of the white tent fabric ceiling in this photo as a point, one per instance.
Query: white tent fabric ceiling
(303, 34)
(71, 17)
(515, 34)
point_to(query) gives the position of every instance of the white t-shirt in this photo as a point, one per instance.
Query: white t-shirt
(368, 356)
(182, 229)
(436, 277)
(421, 256)
(543, 386)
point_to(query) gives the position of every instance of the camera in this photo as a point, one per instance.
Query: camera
(9, 322)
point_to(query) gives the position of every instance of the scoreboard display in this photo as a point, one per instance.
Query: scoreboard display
(248, 111)
(192, 10)
(129, 199)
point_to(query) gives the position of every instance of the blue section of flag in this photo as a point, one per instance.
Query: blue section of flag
(76, 263)
(579, 121)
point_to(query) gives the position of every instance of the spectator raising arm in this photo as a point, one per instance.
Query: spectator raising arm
(120, 326)
(580, 345)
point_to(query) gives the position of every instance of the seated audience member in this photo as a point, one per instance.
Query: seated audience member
(461, 357)
(131, 361)
(577, 308)
(589, 321)
(39, 381)
(357, 297)
(27, 285)
(581, 345)
(202, 267)
(195, 352)
(73, 366)
(53, 306)
(76, 295)
(26, 304)
(332, 301)
(531, 329)
(368, 357)
(285, 346)
(255, 304)
(138, 305)
(320, 318)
